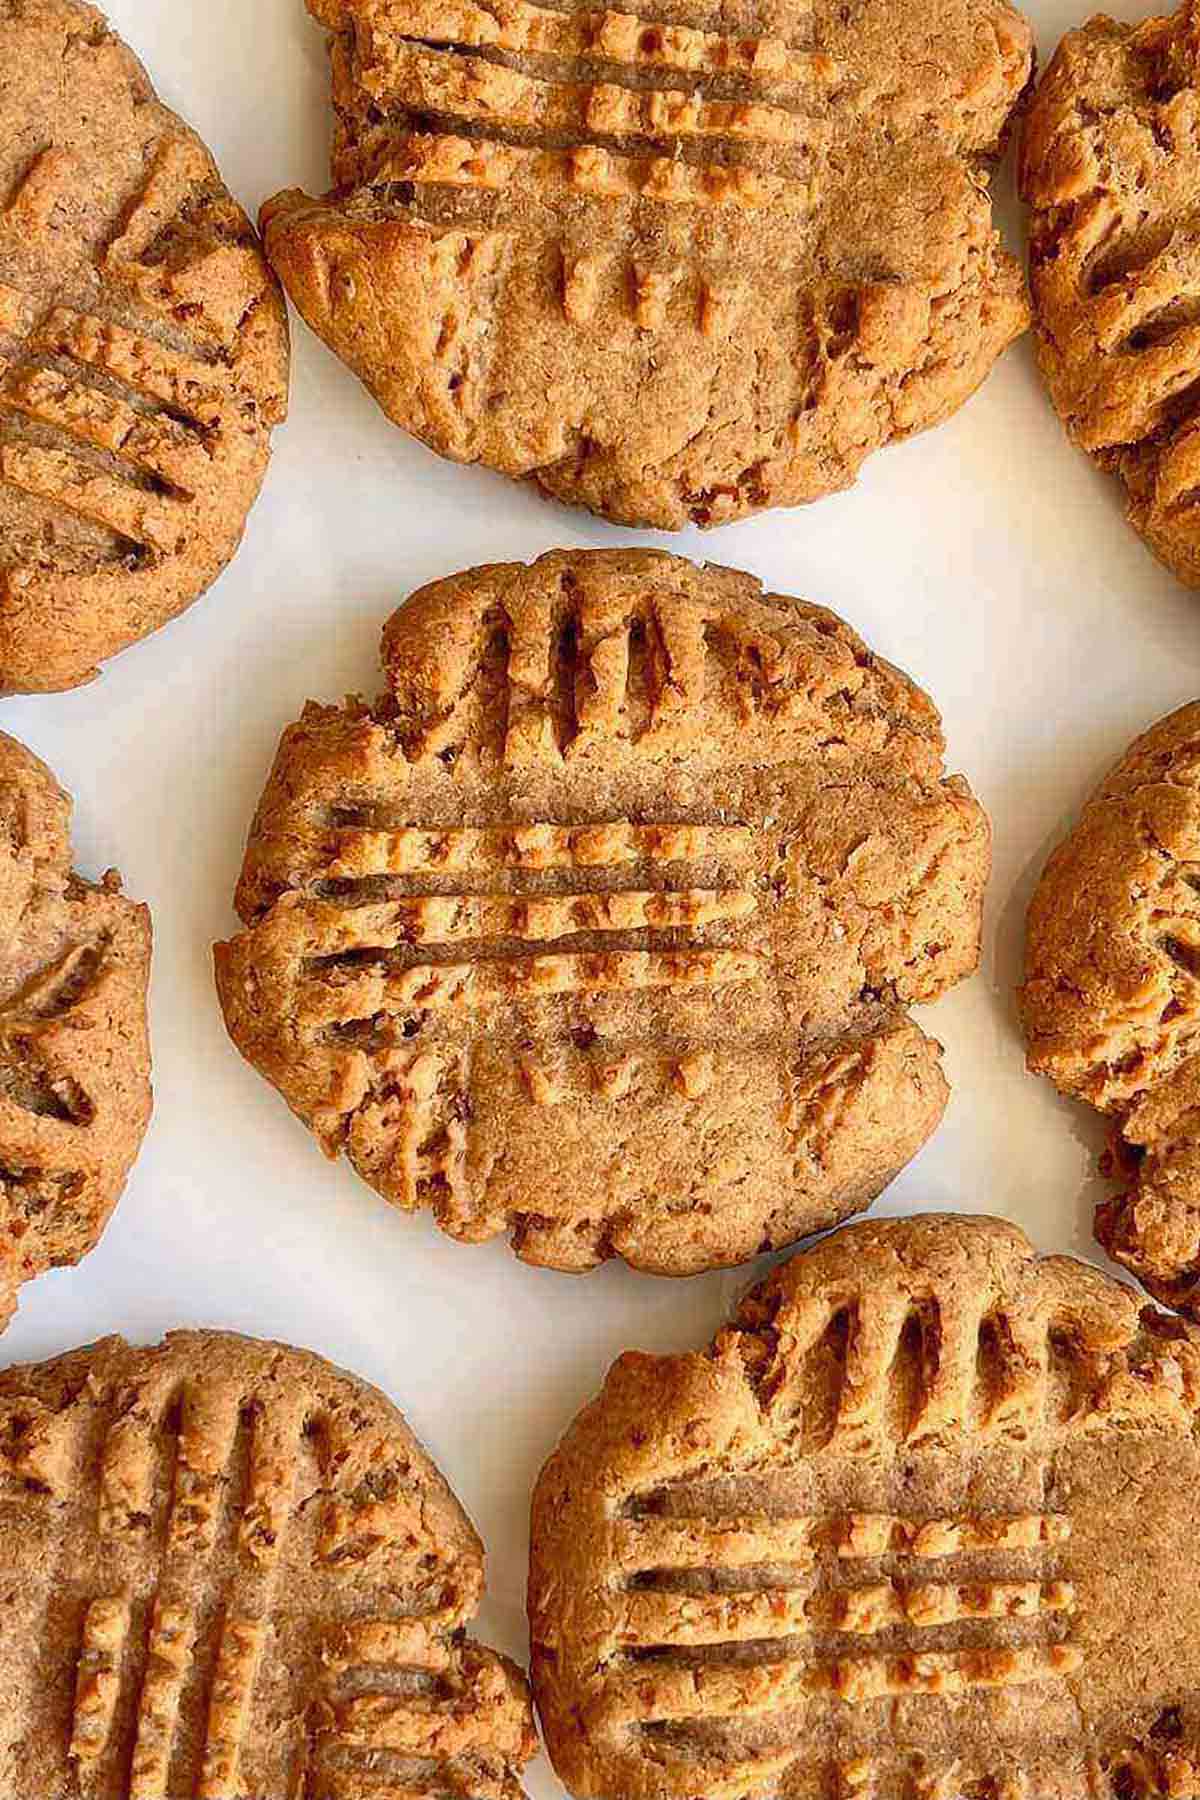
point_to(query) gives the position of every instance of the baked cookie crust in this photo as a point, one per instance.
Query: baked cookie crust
(143, 352)
(599, 926)
(230, 1570)
(74, 1049)
(1110, 162)
(674, 268)
(922, 1521)
(1112, 995)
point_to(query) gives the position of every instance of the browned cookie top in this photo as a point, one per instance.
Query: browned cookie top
(1110, 162)
(230, 1571)
(922, 1524)
(143, 352)
(1111, 999)
(598, 927)
(74, 1054)
(674, 267)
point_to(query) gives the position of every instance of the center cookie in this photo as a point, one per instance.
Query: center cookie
(922, 1524)
(598, 927)
(230, 1570)
(674, 267)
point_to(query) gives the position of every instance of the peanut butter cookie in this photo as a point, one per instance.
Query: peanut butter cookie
(143, 352)
(1110, 163)
(673, 268)
(598, 927)
(923, 1523)
(74, 1054)
(1111, 999)
(230, 1571)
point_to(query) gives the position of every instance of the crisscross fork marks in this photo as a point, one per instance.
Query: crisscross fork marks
(765, 1587)
(258, 1582)
(586, 854)
(202, 1489)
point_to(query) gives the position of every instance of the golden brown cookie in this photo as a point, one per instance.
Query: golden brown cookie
(231, 1572)
(1111, 1000)
(74, 1052)
(676, 267)
(143, 352)
(598, 927)
(923, 1523)
(1110, 164)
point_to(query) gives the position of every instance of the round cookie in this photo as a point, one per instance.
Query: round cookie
(143, 352)
(74, 1051)
(599, 926)
(923, 1523)
(229, 1569)
(1111, 1000)
(1110, 160)
(674, 268)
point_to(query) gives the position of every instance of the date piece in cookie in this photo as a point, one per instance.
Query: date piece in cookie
(74, 1053)
(1111, 1000)
(674, 267)
(143, 352)
(229, 1569)
(1110, 164)
(600, 925)
(923, 1523)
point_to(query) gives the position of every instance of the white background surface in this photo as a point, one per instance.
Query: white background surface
(987, 558)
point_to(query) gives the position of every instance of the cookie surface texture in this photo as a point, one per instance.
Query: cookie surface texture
(1111, 1000)
(598, 928)
(922, 1522)
(74, 1051)
(1110, 160)
(674, 268)
(232, 1572)
(143, 352)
